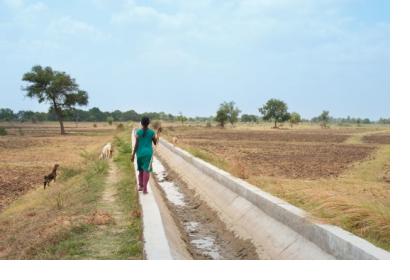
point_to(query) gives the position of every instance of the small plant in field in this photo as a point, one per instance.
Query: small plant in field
(67, 173)
(110, 120)
(239, 169)
(208, 124)
(120, 126)
(59, 201)
(3, 131)
(95, 125)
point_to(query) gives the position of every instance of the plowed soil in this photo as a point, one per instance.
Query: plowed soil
(307, 154)
(377, 138)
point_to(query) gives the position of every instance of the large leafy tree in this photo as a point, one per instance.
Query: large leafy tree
(56, 88)
(227, 112)
(275, 110)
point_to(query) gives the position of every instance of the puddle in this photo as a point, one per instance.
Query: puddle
(208, 246)
(191, 227)
(170, 188)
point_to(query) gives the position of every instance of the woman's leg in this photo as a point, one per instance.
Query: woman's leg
(140, 180)
(145, 180)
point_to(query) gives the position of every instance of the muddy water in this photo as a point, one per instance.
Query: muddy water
(204, 234)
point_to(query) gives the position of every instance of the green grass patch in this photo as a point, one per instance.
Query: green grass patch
(131, 239)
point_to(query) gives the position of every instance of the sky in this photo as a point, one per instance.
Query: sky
(190, 56)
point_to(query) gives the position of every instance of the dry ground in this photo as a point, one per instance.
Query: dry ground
(29, 152)
(90, 212)
(339, 175)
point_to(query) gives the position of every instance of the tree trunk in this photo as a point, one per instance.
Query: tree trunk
(59, 114)
(276, 123)
(60, 120)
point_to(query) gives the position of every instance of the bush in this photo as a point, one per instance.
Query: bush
(120, 126)
(110, 120)
(3, 131)
(208, 124)
(95, 125)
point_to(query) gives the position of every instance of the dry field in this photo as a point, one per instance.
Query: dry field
(339, 175)
(29, 152)
(90, 212)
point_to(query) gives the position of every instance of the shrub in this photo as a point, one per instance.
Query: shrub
(3, 131)
(110, 120)
(95, 125)
(120, 126)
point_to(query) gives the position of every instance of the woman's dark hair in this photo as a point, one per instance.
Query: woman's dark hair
(145, 123)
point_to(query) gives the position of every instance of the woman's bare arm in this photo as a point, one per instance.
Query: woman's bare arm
(135, 148)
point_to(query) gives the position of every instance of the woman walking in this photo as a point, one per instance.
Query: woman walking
(144, 138)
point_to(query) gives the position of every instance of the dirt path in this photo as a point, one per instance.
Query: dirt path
(110, 220)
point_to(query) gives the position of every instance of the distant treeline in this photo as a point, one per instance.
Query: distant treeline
(347, 120)
(92, 115)
(350, 120)
(96, 115)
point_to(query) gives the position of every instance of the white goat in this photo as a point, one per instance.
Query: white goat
(106, 151)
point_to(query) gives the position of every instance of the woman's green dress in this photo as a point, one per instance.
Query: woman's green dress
(144, 151)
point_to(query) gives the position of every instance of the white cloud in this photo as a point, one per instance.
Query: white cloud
(133, 13)
(14, 4)
(68, 26)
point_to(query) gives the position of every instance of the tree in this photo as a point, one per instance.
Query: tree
(227, 112)
(384, 121)
(249, 118)
(130, 115)
(294, 118)
(324, 119)
(56, 88)
(275, 110)
(96, 115)
(181, 118)
(6, 114)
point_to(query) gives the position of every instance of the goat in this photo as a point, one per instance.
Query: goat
(50, 177)
(106, 152)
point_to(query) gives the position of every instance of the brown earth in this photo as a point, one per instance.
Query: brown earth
(277, 135)
(309, 154)
(17, 181)
(29, 152)
(377, 138)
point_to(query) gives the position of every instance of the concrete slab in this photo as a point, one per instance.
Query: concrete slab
(156, 245)
(286, 228)
(272, 239)
(155, 241)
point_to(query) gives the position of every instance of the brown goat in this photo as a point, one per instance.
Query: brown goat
(50, 177)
